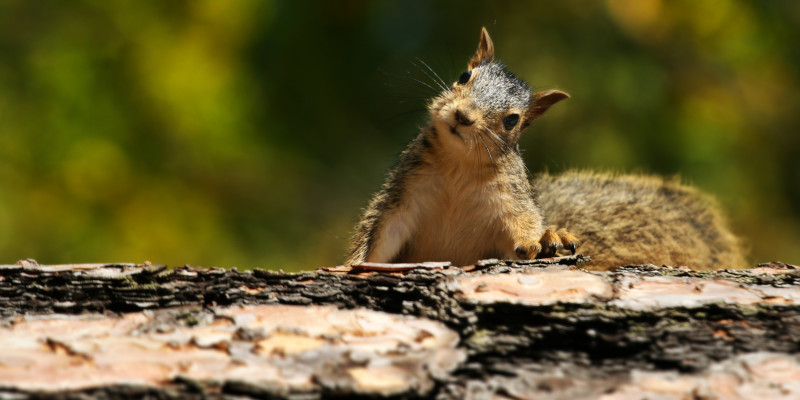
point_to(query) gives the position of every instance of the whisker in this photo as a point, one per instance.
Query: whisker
(421, 82)
(405, 99)
(480, 160)
(471, 143)
(443, 86)
(435, 82)
(487, 148)
(496, 137)
(500, 140)
(410, 81)
(434, 73)
(485, 145)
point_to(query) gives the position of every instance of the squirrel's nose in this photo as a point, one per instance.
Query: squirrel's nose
(463, 119)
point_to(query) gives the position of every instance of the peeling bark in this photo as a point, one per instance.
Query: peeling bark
(540, 329)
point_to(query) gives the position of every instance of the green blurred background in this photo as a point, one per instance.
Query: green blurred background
(251, 133)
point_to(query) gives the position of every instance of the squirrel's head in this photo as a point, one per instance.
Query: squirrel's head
(488, 107)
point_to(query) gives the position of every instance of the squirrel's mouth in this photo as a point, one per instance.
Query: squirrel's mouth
(454, 131)
(443, 124)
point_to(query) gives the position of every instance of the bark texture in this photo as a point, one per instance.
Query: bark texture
(544, 329)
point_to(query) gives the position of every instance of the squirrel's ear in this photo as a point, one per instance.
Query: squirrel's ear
(541, 101)
(485, 51)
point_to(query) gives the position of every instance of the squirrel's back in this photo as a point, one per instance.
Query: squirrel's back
(637, 219)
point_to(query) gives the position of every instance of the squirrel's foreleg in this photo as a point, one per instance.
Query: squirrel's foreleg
(524, 230)
(392, 233)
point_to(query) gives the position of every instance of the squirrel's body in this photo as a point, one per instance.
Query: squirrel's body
(441, 207)
(639, 219)
(461, 192)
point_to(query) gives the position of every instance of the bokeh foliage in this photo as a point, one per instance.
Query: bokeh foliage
(250, 133)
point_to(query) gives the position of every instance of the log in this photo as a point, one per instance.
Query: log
(544, 329)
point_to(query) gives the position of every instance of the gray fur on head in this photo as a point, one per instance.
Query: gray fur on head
(496, 90)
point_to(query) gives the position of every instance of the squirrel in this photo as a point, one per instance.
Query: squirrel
(461, 192)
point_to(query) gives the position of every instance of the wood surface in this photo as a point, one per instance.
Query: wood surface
(544, 329)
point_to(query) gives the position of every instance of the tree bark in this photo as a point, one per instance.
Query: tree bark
(541, 329)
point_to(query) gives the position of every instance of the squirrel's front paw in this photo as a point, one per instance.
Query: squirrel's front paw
(528, 250)
(554, 240)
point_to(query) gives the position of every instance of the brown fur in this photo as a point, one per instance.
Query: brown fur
(461, 192)
(636, 219)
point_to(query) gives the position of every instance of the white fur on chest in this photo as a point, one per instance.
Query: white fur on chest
(457, 216)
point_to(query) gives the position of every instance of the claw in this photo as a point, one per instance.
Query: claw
(569, 240)
(527, 251)
(521, 253)
(550, 243)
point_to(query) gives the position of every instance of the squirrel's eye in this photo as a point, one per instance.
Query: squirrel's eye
(464, 78)
(510, 121)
